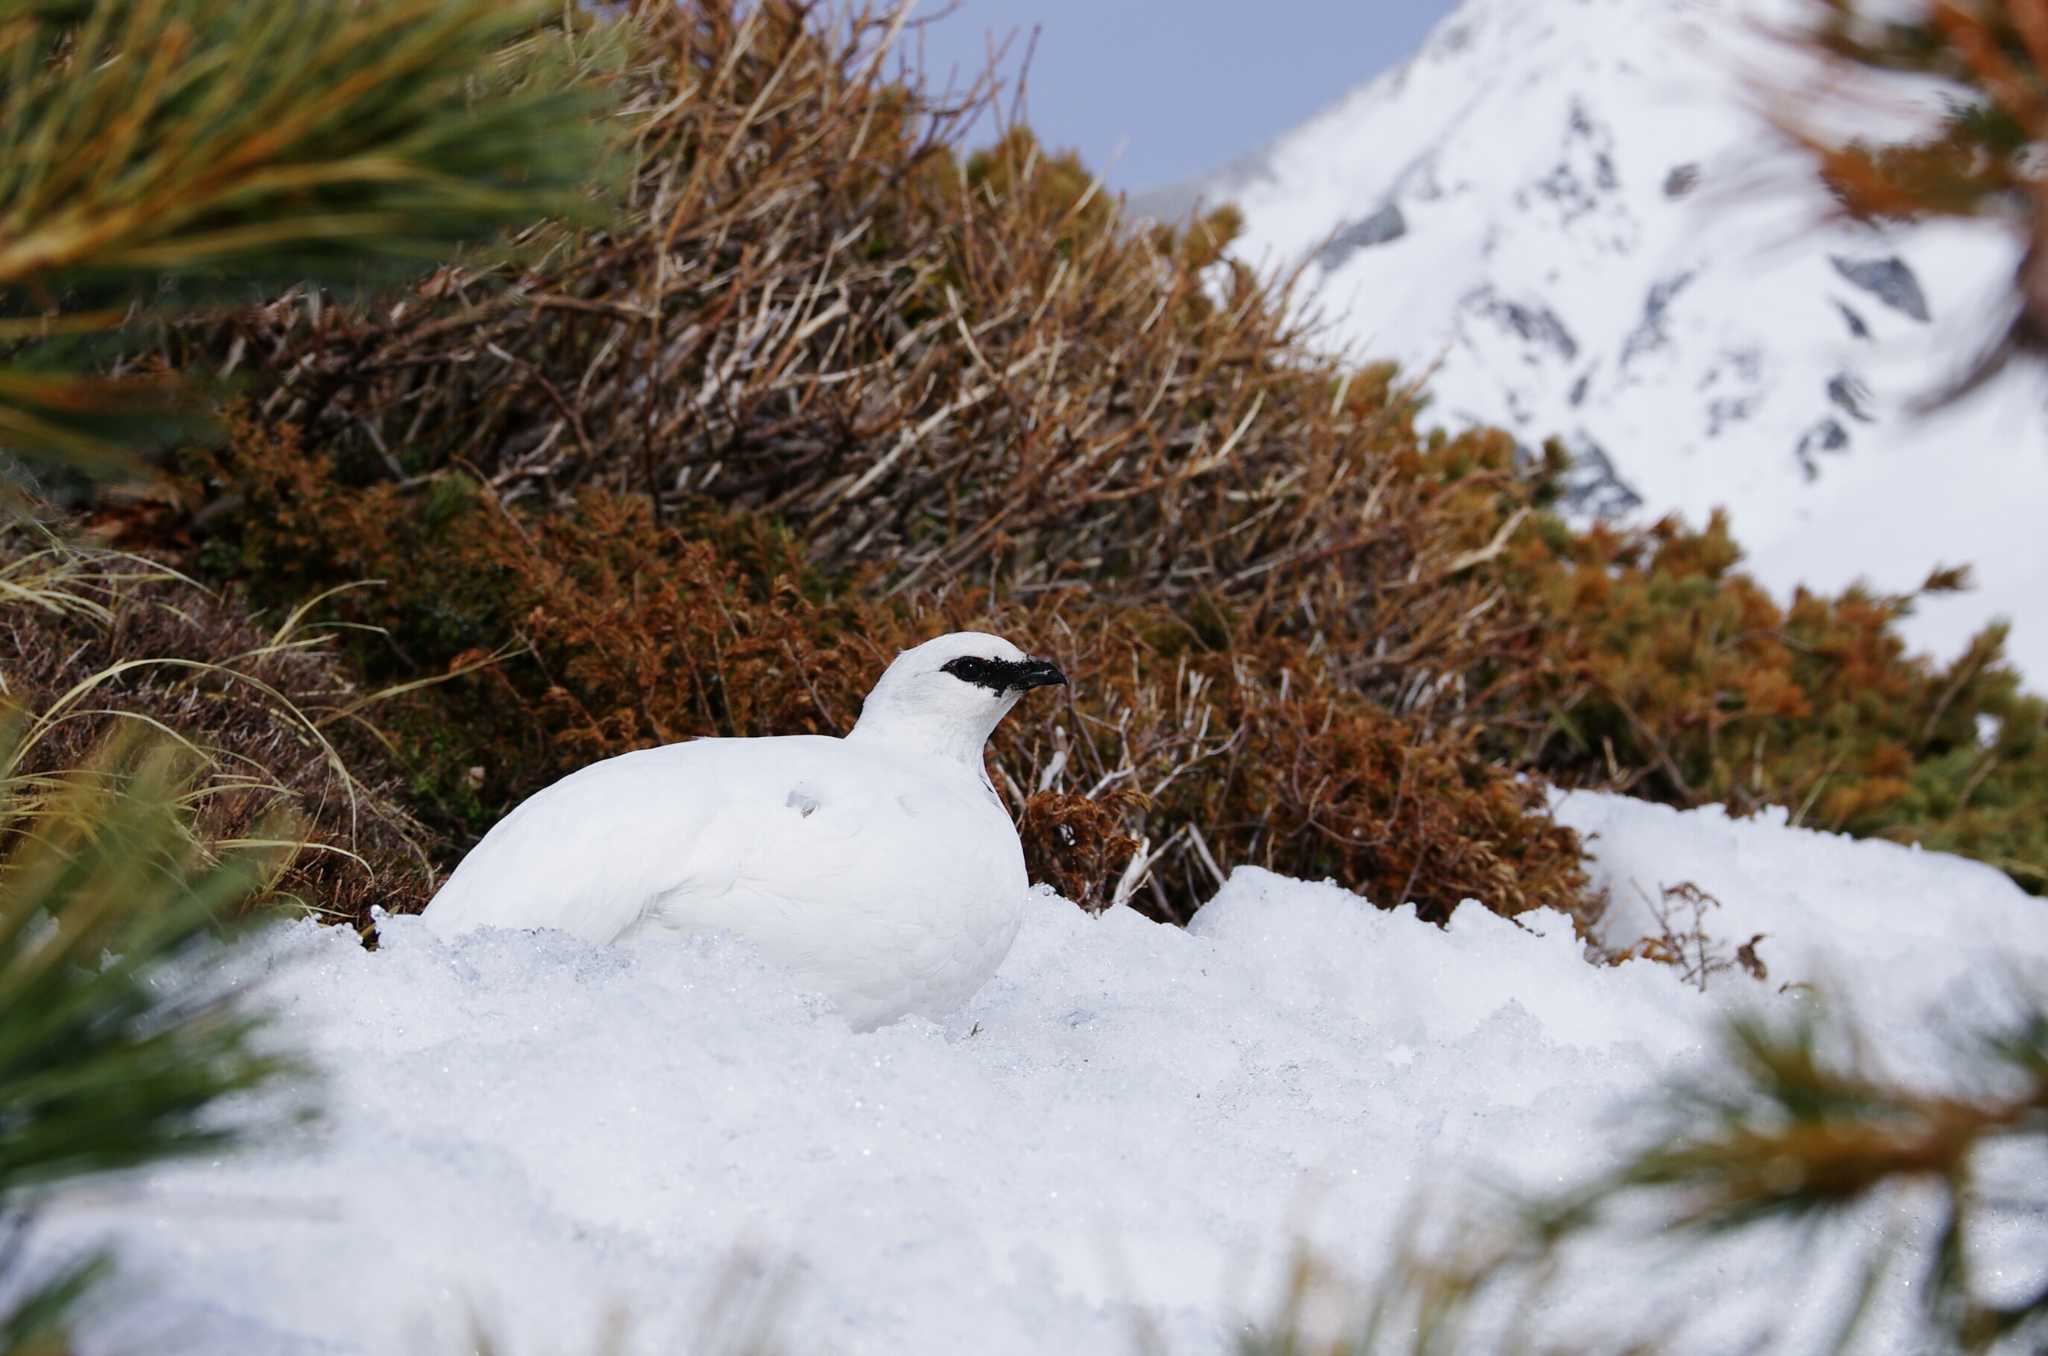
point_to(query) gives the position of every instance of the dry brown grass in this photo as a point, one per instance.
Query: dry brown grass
(95, 640)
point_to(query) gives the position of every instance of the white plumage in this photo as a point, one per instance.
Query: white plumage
(880, 868)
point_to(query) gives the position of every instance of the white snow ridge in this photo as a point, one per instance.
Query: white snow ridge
(1561, 202)
(880, 869)
(543, 1131)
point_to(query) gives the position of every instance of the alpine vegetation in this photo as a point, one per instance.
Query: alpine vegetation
(881, 869)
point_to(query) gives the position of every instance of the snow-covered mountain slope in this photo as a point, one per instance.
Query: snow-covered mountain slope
(1566, 208)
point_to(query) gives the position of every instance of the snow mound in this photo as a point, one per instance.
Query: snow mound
(1883, 926)
(1128, 1119)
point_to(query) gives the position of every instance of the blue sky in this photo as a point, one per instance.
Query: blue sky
(1178, 86)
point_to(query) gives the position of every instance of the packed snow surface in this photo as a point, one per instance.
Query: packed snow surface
(1573, 215)
(1129, 1120)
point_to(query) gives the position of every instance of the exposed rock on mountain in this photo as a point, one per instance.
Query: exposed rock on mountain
(1569, 213)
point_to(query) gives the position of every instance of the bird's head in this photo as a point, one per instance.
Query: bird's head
(947, 696)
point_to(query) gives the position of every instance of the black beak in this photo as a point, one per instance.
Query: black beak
(1036, 673)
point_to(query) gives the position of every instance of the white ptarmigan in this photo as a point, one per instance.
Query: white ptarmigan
(879, 868)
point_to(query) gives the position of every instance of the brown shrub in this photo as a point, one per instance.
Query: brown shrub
(1674, 675)
(977, 398)
(1079, 845)
(974, 395)
(1213, 746)
(93, 637)
(933, 367)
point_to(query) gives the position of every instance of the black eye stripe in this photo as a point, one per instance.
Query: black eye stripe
(1002, 676)
(993, 674)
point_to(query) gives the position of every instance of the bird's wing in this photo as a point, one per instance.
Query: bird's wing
(842, 862)
(593, 852)
(858, 870)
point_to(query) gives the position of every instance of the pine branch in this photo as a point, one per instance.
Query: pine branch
(119, 1034)
(1992, 55)
(1801, 1125)
(157, 154)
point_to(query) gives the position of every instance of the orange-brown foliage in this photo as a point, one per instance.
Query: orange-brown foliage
(1674, 675)
(1213, 750)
